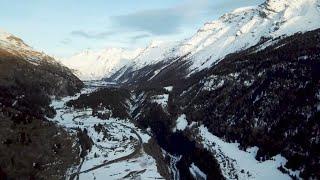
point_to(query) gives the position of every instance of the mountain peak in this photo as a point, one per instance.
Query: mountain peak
(9, 39)
(17, 47)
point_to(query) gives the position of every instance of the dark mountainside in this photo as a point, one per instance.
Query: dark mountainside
(273, 102)
(30, 146)
(265, 97)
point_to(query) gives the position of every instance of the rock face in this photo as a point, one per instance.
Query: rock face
(30, 146)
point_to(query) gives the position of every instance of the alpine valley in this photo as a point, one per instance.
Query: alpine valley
(240, 99)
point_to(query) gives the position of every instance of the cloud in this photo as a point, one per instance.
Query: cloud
(140, 25)
(94, 35)
(138, 37)
(157, 22)
(161, 21)
(172, 20)
(229, 5)
(66, 41)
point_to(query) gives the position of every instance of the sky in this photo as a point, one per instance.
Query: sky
(64, 27)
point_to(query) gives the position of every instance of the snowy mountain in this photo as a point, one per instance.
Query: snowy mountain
(232, 32)
(93, 65)
(243, 28)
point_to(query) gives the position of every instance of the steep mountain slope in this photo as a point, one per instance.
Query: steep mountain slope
(29, 143)
(245, 27)
(266, 98)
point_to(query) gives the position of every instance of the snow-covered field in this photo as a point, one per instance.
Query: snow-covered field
(117, 151)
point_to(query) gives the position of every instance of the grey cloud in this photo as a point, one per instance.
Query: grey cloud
(140, 36)
(157, 22)
(88, 35)
(165, 21)
(66, 41)
(229, 5)
(172, 20)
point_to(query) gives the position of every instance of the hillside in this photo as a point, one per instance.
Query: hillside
(28, 80)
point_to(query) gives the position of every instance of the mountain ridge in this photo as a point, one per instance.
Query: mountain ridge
(232, 32)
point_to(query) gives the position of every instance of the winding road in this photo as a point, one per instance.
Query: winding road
(76, 175)
(137, 150)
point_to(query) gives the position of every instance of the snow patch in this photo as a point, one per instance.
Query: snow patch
(213, 83)
(168, 88)
(161, 99)
(181, 123)
(197, 173)
(238, 164)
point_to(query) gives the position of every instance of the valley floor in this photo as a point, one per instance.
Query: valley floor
(116, 152)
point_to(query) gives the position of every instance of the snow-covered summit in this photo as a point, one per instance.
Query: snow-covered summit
(10, 41)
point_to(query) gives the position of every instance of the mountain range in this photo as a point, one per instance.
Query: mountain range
(240, 99)
(232, 32)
